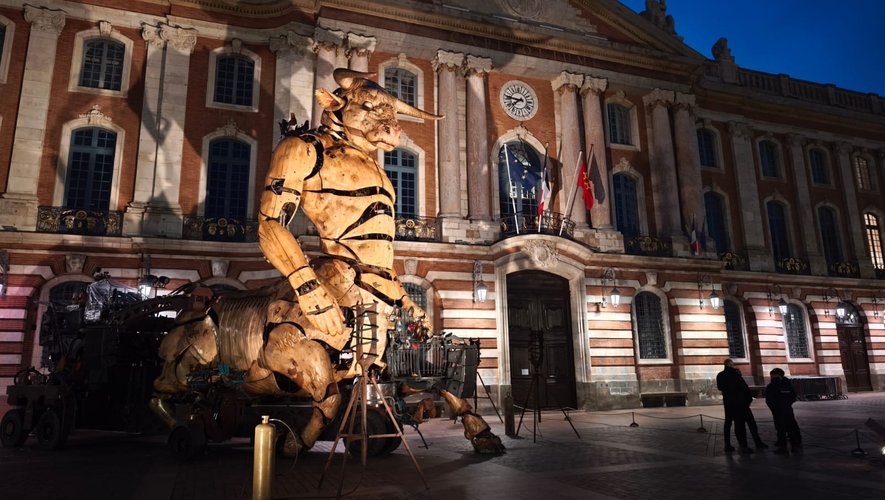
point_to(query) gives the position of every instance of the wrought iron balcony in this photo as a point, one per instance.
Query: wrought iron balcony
(62, 220)
(547, 223)
(649, 246)
(847, 269)
(417, 229)
(792, 265)
(219, 229)
(735, 261)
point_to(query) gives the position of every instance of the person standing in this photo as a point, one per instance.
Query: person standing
(779, 396)
(729, 382)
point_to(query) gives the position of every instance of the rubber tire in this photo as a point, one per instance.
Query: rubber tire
(375, 422)
(50, 433)
(391, 443)
(187, 442)
(12, 428)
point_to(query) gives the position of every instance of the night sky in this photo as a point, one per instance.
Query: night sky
(822, 41)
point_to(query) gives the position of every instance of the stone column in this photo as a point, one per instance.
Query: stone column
(290, 78)
(478, 175)
(19, 204)
(327, 43)
(594, 134)
(155, 210)
(567, 85)
(359, 48)
(805, 211)
(447, 65)
(688, 163)
(843, 152)
(751, 211)
(663, 165)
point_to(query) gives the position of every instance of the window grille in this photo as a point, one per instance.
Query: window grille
(619, 124)
(401, 83)
(829, 235)
(227, 179)
(707, 147)
(90, 169)
(797, 338)
(777, 231)
(716, 225)
(626, 209)
(820, 171)
(874, 240)
(650, 326)
(234, 80)
(519, 182)
(102, 65)
(862, 171)
(417, 294)
(734, 330)
(400, 166)
(768, 157)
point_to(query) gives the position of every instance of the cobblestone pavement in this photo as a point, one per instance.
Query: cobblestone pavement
(664, 457)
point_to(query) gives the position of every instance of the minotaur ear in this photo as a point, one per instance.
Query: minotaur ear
(328, 100)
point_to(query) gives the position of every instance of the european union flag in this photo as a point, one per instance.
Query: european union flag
(521, 172)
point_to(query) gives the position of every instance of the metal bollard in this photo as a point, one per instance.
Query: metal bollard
(262, 467)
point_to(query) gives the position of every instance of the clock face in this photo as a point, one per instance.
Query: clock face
(519, 100)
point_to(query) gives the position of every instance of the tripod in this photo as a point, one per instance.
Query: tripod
(536, 358)
(482, 382)
(358, 404)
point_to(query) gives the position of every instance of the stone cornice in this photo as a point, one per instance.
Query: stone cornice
(45, 20)
(290, 43)
(567, 82)
(328, 39)
(450, 61)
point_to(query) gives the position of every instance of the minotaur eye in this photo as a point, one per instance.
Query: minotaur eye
(368, 106)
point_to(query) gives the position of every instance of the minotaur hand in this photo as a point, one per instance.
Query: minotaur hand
(322, 310)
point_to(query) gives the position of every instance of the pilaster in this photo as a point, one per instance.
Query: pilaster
(663, 166)
(594, 135)
(750, 208)
(359, 48)
(567, 85)
(294, 77)
(688, 163)
(447, 65)
(816, 260)
(326, 45)
(479, 194)
(843, 155)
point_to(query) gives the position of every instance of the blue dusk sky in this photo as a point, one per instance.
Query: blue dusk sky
(822, 41)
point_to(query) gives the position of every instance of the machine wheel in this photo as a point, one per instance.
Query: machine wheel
(375, 424)
(391, 443)
(12, 428)
(187, 442)
(50, 433)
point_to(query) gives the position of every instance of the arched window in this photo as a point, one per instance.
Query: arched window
(829, 235)
(626, 204)
(620, 127)
(734, 329)
(797, 336)
(234, 80)
(227, 179)
(777, 230)
(649, 326)
(417, 294)
(769, 159)
(401, 83)
(401, 168)
(90, 169)
(874, 239)
(863, 174)
(820, 170)
(102, 65)
(717, 226)
(519, 173)
(707, 148)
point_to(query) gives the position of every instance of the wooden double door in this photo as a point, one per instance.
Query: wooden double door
(855, 361)
(541, 348)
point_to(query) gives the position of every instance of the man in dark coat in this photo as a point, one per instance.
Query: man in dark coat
(779, 396)
(737, 397)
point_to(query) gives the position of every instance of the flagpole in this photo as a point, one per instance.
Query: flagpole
(510, 188)
(543, 177)
(571, 198)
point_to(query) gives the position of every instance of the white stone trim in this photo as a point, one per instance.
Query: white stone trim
(618, 97)
(88, 120)
(6, 55)
(229, 131)
(235, 47)
(623, 167)
(665, 320)
(402, 62)
(105, 32)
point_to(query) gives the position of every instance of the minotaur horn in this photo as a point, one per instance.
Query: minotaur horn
(406, 109)
(345, 77)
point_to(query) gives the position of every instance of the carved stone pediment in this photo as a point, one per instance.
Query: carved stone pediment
(542, 253)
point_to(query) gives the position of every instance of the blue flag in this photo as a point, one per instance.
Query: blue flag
(520, 170)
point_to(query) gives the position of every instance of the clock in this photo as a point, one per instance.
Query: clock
(519, 100)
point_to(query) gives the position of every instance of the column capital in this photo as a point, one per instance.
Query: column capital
(595, 85)
(740, 130)
(289, 43)
(46, 20)
(360, 45)
(449, 61)
(844, 148)
(567, 82)
(796, 140)
(324, 39)
(151, 35)
(684, 101)
(477, 66)
(659, 97)
(181, 39)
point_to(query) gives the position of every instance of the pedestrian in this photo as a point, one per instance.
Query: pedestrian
(779, 396)
(736, 398)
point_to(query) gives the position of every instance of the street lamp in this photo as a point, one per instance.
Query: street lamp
(480, 290)
(608, 279)
(704, 280)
